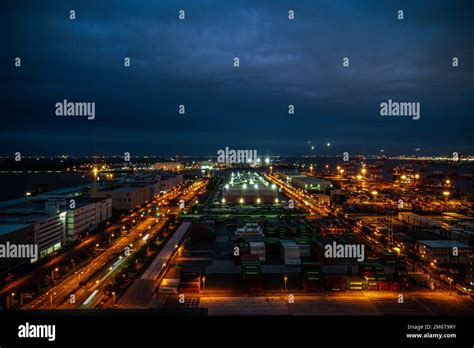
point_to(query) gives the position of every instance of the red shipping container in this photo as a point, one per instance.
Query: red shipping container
(383, 285)
(372, 286)
(405, 285)
(368, 274)
(394, 285)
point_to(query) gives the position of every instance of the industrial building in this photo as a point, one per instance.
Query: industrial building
(87, 215)
(39, 223)
(249, 188)
(15, 233)
(444, 251)
(305, 183)
(53, 220)
(152, 181)
(470, 270)
(124, 197)
(168, 181)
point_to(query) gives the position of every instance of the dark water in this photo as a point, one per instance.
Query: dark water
(15, 185)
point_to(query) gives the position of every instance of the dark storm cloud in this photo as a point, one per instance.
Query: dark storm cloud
(282, 62)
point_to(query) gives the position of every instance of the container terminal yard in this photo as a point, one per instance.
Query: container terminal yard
(266, 241)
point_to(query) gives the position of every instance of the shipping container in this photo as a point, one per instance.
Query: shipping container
(371, 283)
(272, 246)
(390, 258)
(395, 285)
(290, 252)
(335, 283)
(355, 283)
(312, 286)
(383, 285)
(169, 285)
(258, 249)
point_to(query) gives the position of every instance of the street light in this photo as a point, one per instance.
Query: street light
(113, 298)
(8, 299)
(52, 272)
(286, 279)
(51, 298)
(203, 283)
(79, 275)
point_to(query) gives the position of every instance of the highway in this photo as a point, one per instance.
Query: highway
(59, 293)
(102, 268)
(91, 298)
(299, 198)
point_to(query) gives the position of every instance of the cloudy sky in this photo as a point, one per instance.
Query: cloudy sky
(190, 62)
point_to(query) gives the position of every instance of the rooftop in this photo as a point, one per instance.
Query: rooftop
(9, 228)
(444, 244)
(123, 189)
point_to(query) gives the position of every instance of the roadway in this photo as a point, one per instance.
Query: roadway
(300, 199)
(355, 303)
(100, 270)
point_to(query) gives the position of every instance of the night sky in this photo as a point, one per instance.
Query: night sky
(282, 62)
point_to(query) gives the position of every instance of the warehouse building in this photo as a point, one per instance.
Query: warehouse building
(305, 183)
(124, 197)
(444, 251)
(249, 188)
(46, 225)
(18, 234)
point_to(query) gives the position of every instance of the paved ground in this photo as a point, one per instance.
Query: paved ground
(355, 303)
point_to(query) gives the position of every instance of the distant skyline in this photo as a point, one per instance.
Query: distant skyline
(282, 62)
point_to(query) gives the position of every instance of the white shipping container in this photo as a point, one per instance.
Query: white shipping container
(169, 286)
